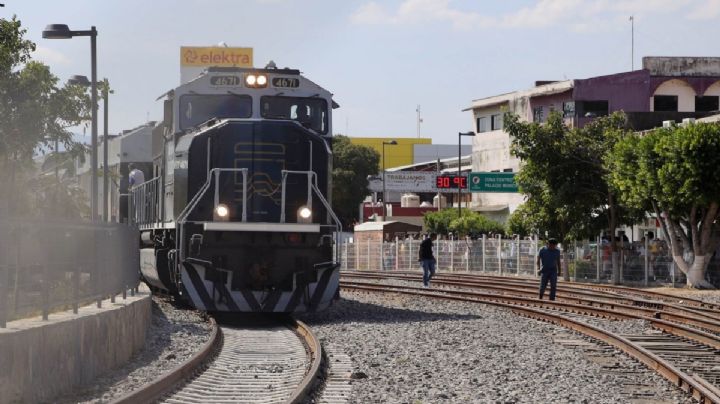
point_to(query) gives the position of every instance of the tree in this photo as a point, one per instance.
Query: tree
(352, 164)
(474, 224)
(471, 223)
(674, 172)
(34, 114)
(565, 178)
(439, 221)
(522, 221)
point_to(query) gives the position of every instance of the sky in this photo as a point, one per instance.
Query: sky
(381, 59)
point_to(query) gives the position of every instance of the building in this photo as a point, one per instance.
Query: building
(408, 150)
(667, 88)
(131, 146)
(412, 190)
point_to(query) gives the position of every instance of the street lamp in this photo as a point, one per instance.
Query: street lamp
(392, 143)
(61, 31)
(460, 135)
(106, 170)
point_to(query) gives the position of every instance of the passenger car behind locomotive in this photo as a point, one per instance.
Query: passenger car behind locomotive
(236, 216)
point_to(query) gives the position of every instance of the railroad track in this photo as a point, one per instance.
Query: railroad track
(683, 352)
(269, 362)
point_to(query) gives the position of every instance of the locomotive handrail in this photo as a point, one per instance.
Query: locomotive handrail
(140, 212)
(213, 173)
(312, 186)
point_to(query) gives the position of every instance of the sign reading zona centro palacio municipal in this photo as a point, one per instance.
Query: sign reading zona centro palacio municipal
(492, 182)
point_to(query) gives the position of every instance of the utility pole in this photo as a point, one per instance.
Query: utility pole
(419, 120)
(632, 43)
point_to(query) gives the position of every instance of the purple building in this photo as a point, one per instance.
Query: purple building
(667, 88)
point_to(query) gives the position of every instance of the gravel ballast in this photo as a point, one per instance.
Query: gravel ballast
(420, 350)
(173, 337)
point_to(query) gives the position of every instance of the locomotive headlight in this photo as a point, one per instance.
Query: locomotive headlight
(261, 81)
(304, 214)
(222, 212)
(250, 80)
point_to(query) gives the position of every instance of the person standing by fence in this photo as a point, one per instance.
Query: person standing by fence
(427, 259)
(548, 264)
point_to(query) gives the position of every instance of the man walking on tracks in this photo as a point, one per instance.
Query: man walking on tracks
(427, 259)
(548, 263)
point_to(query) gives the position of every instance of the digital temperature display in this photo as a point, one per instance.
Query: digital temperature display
(451, 182)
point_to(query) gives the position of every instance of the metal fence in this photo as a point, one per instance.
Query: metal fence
(50, 266)
(640, 263)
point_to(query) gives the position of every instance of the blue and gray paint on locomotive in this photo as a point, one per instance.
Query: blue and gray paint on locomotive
(218, 286)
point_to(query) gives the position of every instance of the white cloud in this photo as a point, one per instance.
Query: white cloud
(578, 15)
(418, 12)
(708, 10)
(50, 56)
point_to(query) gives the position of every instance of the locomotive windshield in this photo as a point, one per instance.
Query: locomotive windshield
(196, 108)
(310, 112)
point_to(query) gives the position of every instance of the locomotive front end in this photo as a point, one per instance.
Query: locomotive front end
(249, 184)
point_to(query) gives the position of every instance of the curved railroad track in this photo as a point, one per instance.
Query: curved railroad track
(269, 362)
(685, 349)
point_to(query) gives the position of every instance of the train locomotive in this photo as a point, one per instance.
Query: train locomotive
(237, 216)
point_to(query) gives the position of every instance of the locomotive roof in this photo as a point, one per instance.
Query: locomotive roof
(284, 71)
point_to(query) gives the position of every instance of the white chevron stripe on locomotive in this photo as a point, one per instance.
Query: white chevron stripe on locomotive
(206, 295)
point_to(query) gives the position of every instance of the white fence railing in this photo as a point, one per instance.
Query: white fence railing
(640, 263)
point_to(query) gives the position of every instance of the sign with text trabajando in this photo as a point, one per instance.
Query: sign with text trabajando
(404, 181)
(492, 182)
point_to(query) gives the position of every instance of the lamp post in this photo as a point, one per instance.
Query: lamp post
(106, 170)
(61, 31)
(392, 143)
(460, 135)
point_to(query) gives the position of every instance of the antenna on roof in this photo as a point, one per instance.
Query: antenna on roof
(632, 43)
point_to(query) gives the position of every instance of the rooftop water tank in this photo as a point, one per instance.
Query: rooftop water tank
(410, 201)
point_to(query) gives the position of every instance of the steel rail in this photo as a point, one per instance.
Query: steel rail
(679, 378)
(710, 315)
(155, 389)
(677, 314)
(315, 350)
(613, 288)
(700, 336)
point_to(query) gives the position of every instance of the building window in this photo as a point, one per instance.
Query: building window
(496, 121)
(592, 109)
(538, 114)
(707, 103)
(482, 124)
(507, 170)
(569, 109)
(666, 103)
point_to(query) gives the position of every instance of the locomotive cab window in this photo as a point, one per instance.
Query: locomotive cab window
(197, 108)
(309, 112)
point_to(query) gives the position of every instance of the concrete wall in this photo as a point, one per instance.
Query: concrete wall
(40, 360)
(682, 66)
(627, 92)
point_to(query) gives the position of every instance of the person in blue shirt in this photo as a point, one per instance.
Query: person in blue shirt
(548, 264)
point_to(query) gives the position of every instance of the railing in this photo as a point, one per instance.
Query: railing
(50, 266)
(639, 264)
(144, 203)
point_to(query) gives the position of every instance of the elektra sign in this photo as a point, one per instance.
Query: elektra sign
(215, 56)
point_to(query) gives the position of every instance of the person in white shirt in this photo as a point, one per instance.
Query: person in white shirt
(136, 177)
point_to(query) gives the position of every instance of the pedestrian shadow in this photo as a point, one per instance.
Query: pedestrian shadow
(352, 311)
